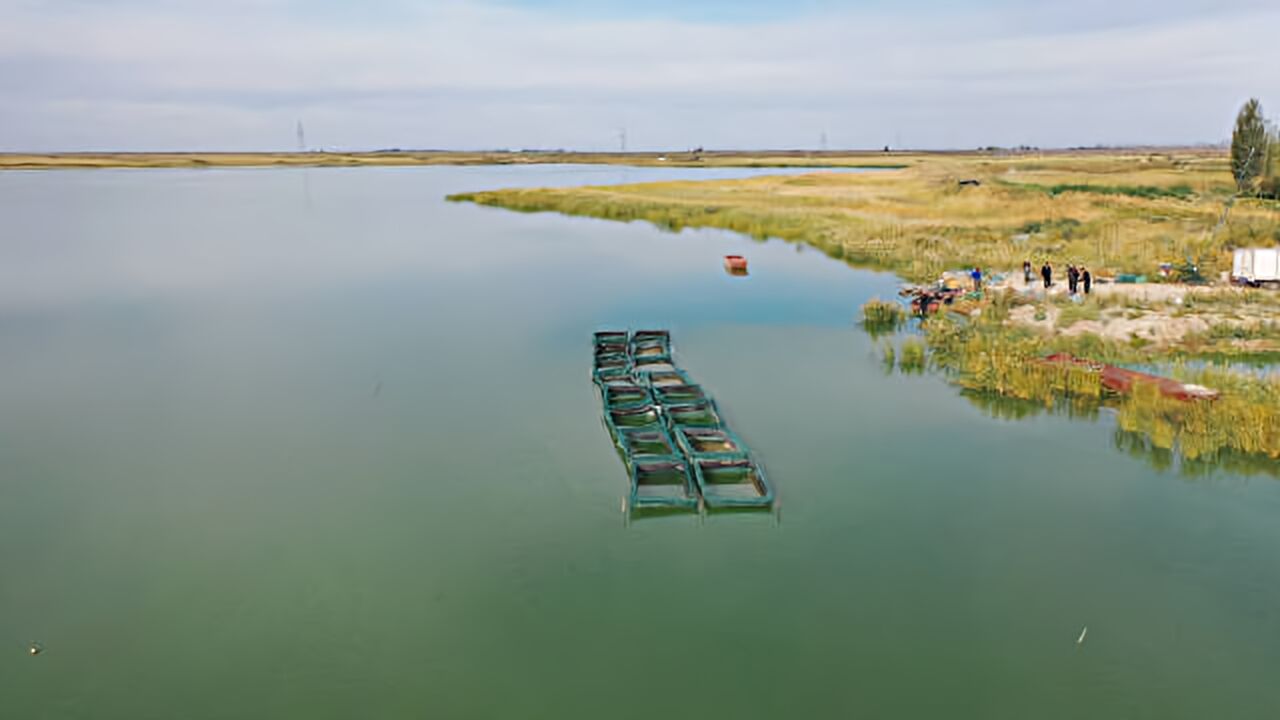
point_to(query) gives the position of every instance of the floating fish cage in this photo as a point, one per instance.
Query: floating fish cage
(626, 396)
(611, 337)
(611, 352)
(612, 376)
(732, 484)
(652, 364)
(603, 353)
(669, 432)
(641, 416)
(701, 443)
(646, 342)
(662, 484)
(695, 414)
(678, 394)
(637, 443)
(654, 351)
(665, 378)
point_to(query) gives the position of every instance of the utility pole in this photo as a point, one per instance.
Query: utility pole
(302, 138)
(622, 139)
(822, 141)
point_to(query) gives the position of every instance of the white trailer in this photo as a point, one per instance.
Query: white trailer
(1254, 266)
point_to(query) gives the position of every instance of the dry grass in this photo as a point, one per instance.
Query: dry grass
(1127, 212)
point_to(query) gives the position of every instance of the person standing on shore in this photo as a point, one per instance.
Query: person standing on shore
(1088, 279)
(977, 279)
(1026, 272)
(1046, 272)
(1073, 279)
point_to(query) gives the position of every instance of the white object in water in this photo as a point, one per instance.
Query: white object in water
(1085, 631)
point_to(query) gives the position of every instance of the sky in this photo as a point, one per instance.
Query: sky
(573, 74)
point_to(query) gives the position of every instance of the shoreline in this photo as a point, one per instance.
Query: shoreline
(1116, 213)
(876, 159)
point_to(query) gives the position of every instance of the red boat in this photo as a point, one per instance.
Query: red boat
(735, 264)
(1122, 380)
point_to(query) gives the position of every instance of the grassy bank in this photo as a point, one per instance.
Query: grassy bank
(1000, 369)
(1117, 213)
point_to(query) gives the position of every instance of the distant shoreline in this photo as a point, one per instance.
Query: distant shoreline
(397, 158)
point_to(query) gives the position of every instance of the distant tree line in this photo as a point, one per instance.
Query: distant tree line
(1255, 153)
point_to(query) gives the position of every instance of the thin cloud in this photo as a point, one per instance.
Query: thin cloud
(238, 74)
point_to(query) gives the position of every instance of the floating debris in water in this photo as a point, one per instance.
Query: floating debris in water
(35, 648)
(1085, 631)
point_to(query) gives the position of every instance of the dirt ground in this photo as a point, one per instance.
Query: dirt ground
(1153, 312)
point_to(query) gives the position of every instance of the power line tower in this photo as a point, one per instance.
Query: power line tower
(622, 139)
(302, 138)
(822, 141)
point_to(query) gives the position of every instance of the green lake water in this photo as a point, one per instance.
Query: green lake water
(318, 444)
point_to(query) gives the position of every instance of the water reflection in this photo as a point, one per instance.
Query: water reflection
(1003, 407)
(1158, 447)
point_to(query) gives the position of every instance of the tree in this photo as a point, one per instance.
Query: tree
(1270, 185)
(1249, 146)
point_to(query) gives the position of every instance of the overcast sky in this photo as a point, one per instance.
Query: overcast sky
(240, 74)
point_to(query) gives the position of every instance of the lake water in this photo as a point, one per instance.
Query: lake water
(318, 444)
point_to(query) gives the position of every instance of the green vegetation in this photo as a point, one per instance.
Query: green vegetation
(889, 356)
(983, 357)
(1182, 192)
(1000, 367)
(1244, 420)
(879, 316)
(913, 355)
(1249, 152)
(1270, 185)
(1065, 226)
(1241, 426)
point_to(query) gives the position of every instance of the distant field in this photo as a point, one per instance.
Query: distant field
(719, 158)
(53, 161)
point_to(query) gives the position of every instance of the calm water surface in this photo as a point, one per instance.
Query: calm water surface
(316, 444)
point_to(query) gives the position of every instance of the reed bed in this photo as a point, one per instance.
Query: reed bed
(1243, 424)
(1136, 212)
(880, 316)
(913, 356)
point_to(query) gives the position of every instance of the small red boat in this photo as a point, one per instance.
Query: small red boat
(735, 264)
(1122, 380)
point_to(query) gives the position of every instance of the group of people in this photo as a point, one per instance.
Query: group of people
(1076, 276)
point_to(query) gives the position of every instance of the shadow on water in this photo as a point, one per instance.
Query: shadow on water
(653, 514)
(632, 515)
